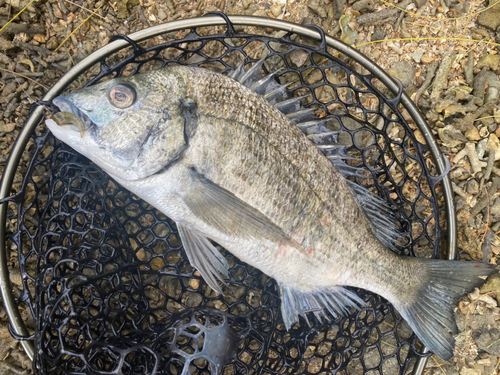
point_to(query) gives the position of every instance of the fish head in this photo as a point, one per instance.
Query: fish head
(131, 127)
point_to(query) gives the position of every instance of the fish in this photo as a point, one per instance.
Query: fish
(226, 157)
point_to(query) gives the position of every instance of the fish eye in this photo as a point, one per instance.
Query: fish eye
(121, 96)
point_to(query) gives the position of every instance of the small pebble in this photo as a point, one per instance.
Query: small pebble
(276, 9)
(490, 61)
(472, 134)
(472, 187)
(417, 56)
(162, 15)
(7, 128)
(52, 43)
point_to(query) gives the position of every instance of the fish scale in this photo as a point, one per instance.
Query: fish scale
(226, 165)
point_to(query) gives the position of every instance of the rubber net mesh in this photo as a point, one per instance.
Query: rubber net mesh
(110, 287)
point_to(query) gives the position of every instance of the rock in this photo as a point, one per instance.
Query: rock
(80, 55)
(315, 6)
(495, 212)
(122, 9)
(490, 18)
(162, 15)
(52, 43)
(472, 134)
(490, 61)
(488, 340)
(417, 56)
(7, 128)
(493, 144)
(451, 137)
(276, 9)
(472, 187)
(246, 3)
(6, 45)
(9, 88)
(420, 3)
(298, 57)
(469, 371)
(492, 95)
(260, 13)
(378, 34)
(363, 5)
(492, 284)
(403, 71)
(348, 36)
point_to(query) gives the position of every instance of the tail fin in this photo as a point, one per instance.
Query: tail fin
(431, 316)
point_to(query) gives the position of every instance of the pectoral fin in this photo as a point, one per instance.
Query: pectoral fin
(203, 256)
(228, 214)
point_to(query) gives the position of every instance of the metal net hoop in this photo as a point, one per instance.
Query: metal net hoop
(112, 290)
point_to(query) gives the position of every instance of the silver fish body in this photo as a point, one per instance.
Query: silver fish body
(226, 165)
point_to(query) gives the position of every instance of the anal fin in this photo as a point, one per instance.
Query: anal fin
(336, 300)
(203, 256)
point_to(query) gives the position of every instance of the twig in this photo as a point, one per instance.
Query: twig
(488, 216)
(53, 18)
(469, 69)
(15, 28)
(457, 190)
(439, 19)
(431, 71)
(75, 30)
(17, 15)
(437, 363)
(495, 185)
(88, 10)
(28, 78)
(416, 39)
(31, 47)
(467, 122)
(142, 17)
(441, 79)
(489, 167)
(470, 151)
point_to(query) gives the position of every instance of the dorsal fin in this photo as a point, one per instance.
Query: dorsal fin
(385, 223)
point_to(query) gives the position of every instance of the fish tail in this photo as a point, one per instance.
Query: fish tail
(431, 315)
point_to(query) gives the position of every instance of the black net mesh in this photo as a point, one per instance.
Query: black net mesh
(107, 280)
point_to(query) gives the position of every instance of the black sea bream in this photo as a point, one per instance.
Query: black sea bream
(226, 165)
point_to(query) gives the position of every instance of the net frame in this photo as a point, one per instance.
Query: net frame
(324, 43)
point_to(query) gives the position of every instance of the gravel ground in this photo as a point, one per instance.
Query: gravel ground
(455, 83)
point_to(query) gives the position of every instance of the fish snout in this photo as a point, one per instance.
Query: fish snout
(70, 115)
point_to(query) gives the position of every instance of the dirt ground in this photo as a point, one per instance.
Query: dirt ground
(455, 43)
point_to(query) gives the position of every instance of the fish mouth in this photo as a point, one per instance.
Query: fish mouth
(80, 120)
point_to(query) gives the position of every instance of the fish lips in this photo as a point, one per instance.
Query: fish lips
(66, 105)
